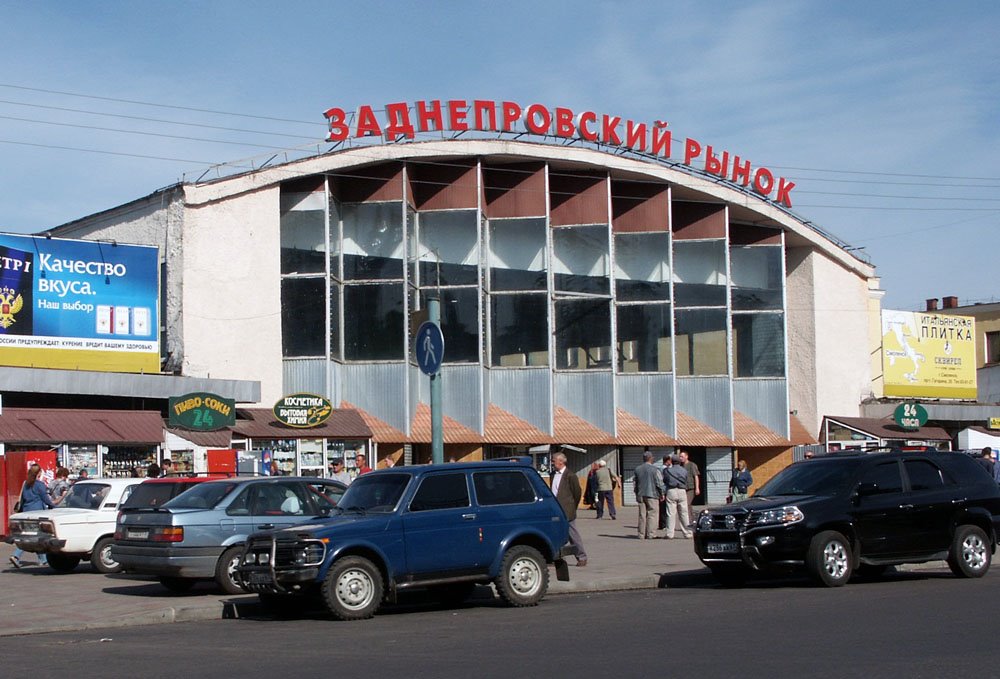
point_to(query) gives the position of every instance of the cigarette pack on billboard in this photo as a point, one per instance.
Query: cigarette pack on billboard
(122, 319)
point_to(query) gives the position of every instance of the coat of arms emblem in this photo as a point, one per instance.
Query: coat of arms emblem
(10, 304)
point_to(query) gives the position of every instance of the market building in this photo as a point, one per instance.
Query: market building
(594, 291)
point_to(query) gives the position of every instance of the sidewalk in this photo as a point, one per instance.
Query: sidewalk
(35, 600)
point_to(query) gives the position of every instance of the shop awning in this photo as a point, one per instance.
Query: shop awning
(55, 426)
(694, 432)
(634, 431)
(261, 423)
(572, 429)
(886, 428)
(205, 439)
(452, 430)
(749, 433)
(503, 427)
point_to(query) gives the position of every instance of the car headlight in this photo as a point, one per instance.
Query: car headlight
(308, 554)
(781, 515)
(47, 527)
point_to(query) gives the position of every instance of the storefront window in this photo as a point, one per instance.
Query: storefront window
(580, 259)
(459, 323)
(303, 241)
(757, 277)
(758, 345)
(583, 334)
(336, 290)
(311, 458)
(279, 451)
(700, 273)
(518, 330)
(448, 250)
(644, 338)
(303, 316)
(373, 240)
(642, 266)
(82, 457)
(517, 254)
(373, 322)
(700, 342)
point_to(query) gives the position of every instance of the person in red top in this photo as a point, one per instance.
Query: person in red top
(361, 462)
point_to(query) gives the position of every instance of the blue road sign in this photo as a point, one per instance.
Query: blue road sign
(429, 347)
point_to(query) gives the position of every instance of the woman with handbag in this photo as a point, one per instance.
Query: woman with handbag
(34, 496)
(739, 487)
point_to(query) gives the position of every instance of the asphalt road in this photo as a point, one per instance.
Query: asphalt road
(915, 624)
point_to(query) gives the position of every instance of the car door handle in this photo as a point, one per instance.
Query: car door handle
(958, 501)
(468, 517)
(906, 506)
(266, 526)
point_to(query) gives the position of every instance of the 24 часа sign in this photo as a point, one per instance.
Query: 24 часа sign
(84, 305)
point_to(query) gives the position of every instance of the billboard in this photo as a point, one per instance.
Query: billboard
(75, 304)
(928, 355)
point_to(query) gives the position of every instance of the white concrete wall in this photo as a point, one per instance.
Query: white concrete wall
(232, 290)
(828, 338)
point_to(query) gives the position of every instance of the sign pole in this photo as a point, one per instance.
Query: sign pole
(437, 429)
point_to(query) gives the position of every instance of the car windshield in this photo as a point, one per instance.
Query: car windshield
(376, 493)
(86, 495)
(155, 494)
(202, 496)
(812, 477)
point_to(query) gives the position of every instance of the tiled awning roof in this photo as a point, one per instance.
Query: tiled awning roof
(749, 433)
(572, 429)
(798, 434)
(343, 423)
(692, 432)
(453, 431)
(205, 439)
(886, 428)
(634, 431)
(505, 427)
(382, 432)
(51, 425)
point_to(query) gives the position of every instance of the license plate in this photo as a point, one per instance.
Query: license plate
(137, 534)
(721, 547)
(259, 578)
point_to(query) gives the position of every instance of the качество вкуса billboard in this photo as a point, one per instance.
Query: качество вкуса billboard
(78, 304)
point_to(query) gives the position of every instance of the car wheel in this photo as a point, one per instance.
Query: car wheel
(729, 575)
(64, 563)
(101, 558)
(353, 588)
(226, 575)
(970, 554)
(829, 560)
(523, 578)
(177, 584)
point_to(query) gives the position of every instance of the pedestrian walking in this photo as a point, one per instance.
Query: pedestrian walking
(566, 488)
(675, 479)
(34, 496)
(606, 481)
(59, 486)
(693, 482)
(648, 492)
(739, 487)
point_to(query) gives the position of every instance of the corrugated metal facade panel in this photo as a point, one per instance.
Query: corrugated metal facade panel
(588, 395)
(707, 399)
(765, 401)
(649, 397)
(526, 393)
(378, 388)
(306, 375)
(461, 393)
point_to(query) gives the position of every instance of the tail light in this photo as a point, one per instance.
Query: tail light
(168, 534)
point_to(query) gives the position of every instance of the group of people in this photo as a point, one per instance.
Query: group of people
(337, 472)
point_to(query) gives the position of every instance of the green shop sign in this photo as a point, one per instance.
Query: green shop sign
(910, 415)
(202, 411)
(303, 410)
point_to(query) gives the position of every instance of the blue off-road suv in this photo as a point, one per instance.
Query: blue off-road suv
(440, 527)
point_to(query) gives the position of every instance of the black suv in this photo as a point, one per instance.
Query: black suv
(841, 514)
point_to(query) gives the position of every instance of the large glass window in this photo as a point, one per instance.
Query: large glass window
(644, 338)
(642, 266)
(758, 345)
(517, 254)
(335, 292)
(448, 250)
(303, 233)
(580, 259)
(303, 316)
(583, 333)
(700, 342)
(518, 330)
(373, 322)
(373, 240)
(757, 277)
(700, 273)
(459, 323)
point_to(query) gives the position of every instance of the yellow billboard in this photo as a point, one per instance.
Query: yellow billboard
(928, 355)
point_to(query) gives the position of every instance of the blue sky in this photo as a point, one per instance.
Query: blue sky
(885, 114)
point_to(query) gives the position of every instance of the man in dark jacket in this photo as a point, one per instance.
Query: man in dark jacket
(566, 488)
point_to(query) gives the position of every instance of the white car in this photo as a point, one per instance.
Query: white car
(81, 526)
